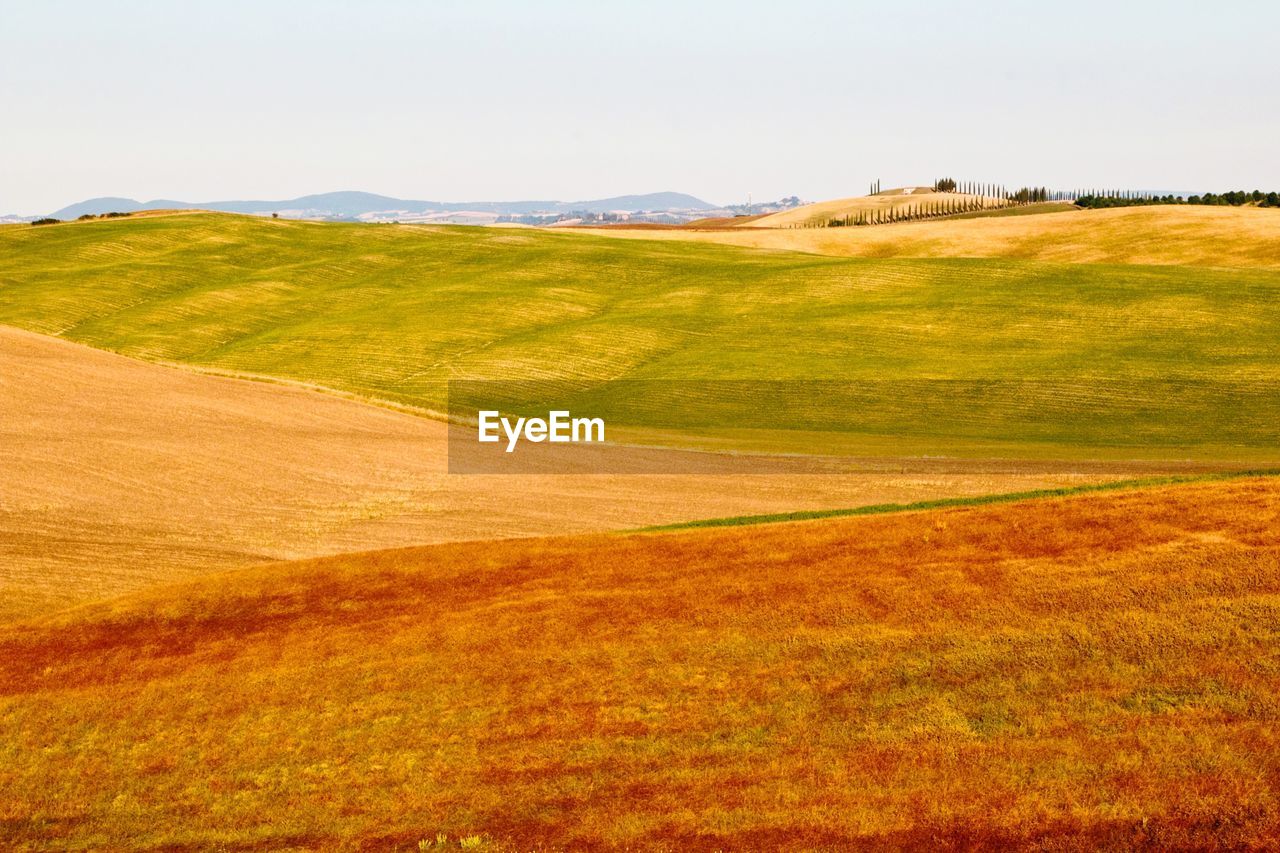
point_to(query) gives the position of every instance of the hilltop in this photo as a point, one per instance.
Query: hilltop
(902, 197)
(1091, 672)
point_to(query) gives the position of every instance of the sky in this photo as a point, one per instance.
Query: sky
(201, 101)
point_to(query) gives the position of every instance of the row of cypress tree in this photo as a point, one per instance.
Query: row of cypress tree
(977, 195)
(911, 212)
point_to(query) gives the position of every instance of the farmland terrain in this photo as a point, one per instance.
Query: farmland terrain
(819, 213)
(118, 474)
(189, 398)
(1242, 237)
(391, 313)
(1095, 672)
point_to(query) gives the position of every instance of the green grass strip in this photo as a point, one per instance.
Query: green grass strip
(946, 503)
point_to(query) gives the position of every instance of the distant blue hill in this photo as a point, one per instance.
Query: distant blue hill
(342, 205)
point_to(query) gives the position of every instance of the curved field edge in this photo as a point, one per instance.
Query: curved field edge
(948, 503)
(118, 474)
(1095, 670)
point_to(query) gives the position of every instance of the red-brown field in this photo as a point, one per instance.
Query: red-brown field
(1082, 673)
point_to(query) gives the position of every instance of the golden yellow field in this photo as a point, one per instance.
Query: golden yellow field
(1167, 235)
(1087, 673)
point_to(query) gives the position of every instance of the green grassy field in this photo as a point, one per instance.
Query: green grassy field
(393, 312)
(950, 503)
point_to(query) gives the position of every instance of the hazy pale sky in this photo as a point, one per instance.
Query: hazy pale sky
(573, 100)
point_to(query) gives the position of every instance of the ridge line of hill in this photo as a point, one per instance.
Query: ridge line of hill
(354, 203)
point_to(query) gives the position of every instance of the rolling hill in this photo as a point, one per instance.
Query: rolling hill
(1093, 672)
(821, 211)
(119, 475)
(1115, 360)
(1245, 238)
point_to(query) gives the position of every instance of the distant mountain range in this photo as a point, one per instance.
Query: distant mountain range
(360, 205)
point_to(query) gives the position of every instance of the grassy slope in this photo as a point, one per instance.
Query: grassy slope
(1096, 671)
(391, 312)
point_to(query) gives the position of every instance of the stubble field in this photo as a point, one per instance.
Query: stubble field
(1082, 673)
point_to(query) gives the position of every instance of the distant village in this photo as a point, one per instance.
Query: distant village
(667, 216)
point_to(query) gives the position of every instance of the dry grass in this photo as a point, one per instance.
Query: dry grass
(117, 474)
(821, 211)
(1165, 235)
(1082, 673)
